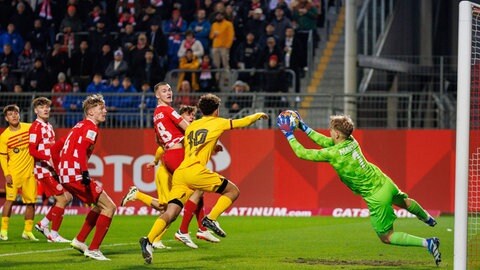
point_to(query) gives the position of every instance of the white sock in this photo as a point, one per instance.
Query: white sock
(45, 221)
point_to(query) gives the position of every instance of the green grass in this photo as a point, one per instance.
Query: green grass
(252, 243)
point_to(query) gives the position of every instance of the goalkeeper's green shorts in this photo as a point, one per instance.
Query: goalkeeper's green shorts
(380, 205)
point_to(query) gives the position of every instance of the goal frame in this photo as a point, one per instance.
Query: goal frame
(462, 133)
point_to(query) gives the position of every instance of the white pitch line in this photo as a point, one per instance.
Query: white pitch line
(56, 250)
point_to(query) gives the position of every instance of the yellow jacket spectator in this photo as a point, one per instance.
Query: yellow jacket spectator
(222, 32)
(189, 61)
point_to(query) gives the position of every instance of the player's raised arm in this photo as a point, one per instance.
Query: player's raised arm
(248, 120)
(316, 137)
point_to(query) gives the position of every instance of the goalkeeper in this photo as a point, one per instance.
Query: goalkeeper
(379, 192)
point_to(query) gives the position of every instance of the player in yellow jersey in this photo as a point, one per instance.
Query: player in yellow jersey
(17, 165)
(200, 141)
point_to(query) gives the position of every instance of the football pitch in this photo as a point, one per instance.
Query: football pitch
(251, 243)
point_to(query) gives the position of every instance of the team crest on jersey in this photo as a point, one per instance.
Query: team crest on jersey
(16, 150)
(59, 187)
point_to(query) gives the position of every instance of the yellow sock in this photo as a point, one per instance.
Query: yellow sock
(159, 237)
(157, 228)
(146, 199)
(28, 225)
(222, 204)
(5, 221)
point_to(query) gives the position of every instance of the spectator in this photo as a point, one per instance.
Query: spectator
(62, 87)
(283, 4)
(103, 59)
(22, 20)
(157, 39)
(39, 38)
(7, 80)
(148, 101)
(73, 106)
(13, 38)
(7, 56)
(125, 19)
(26, 58)
(190, 62)
(268, 51)
(163, 8)
(294, 55)
(305, 15)
(235, 103)
(96, 86)
(137, 53)
(118, 67)
(98, 37)
(221, 34)
(201, 29)
(148, 71)
(22, 100)
(246, 57)
(174, 42)
(131, 6)
(127, 38)
(255, 24)
(190, 43)
(126, 105)
(187, 8)
(57, 60)
(146, 17)
(274, 82)
(110, 98)
(280, 22)
(269, 32)
(38, 78)
(94, 16)
(176, 24)
(48, 13)
(184, 96)
(81, 63)
(71, 20)
(207, 80)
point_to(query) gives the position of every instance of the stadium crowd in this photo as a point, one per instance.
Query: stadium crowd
(97, 45)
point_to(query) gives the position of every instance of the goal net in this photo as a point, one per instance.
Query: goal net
(467, 174)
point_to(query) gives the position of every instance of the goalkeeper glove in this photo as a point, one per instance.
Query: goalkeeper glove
(85, 178)
(287, 128)
(302, 124)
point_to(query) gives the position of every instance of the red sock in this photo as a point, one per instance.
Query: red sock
(103, 223)
(57, 217)
(188, 212)
(200, 213)
(49, 215)
(88, 225)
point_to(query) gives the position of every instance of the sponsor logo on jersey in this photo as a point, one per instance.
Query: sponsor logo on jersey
(16, 150)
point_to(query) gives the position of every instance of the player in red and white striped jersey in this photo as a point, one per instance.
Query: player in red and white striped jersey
(41, 139)
(73, 174)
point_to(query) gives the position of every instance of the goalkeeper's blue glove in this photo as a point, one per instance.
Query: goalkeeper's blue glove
(302, 124)
(287, 128)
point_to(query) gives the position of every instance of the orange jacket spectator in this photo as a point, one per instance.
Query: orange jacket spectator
(222, 34)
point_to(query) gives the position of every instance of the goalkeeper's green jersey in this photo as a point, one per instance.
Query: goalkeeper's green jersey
(360, 176)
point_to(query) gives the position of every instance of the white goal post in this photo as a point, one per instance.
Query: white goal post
(467, 179)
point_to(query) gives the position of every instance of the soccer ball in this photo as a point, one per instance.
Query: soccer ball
(293, 116)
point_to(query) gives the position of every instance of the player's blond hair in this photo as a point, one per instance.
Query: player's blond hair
(39, 101)
(208, 103)
(92, 101)
(343, 124)
(11, 107)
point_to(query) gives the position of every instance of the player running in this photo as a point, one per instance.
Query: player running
(201, 139)
(74, 176)
(17, 166)
(380, 193)
(41, 140)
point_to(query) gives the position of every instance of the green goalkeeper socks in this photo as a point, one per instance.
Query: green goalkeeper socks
(417, 210)
(405, 239)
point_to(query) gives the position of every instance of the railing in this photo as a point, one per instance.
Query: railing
(374, 110)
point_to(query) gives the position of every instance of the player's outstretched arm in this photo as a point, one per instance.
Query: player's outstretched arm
(248, 120)
(316, 137)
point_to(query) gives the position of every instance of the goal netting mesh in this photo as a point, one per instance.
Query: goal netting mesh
(473, 237)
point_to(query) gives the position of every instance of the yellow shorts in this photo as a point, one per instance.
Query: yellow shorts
(163, 181)
(195, 177)
(27, 183)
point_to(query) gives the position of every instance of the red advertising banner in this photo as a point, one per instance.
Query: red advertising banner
(273, 181)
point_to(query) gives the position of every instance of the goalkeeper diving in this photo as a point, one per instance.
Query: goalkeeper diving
(363, 178)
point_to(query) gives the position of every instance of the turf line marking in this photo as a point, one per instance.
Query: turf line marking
(56, 250)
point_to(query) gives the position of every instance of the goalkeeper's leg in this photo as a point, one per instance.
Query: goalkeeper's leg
(415, 208)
